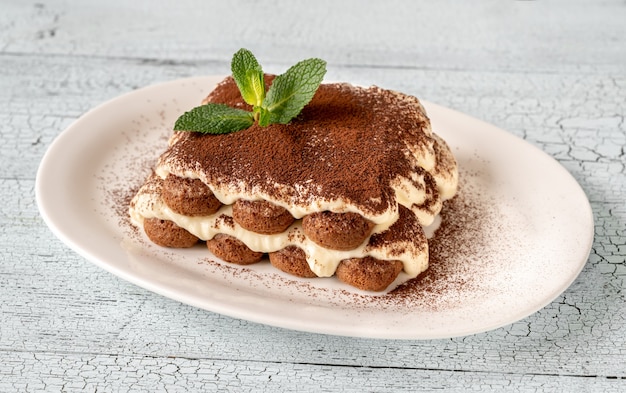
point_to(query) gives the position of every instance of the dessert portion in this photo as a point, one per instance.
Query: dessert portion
(344, 189)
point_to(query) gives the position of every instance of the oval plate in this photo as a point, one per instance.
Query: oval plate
(515, 238)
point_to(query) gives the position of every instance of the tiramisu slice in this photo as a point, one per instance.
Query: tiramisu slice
(344, 189)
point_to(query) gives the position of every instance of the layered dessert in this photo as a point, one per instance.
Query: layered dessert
(344, 189)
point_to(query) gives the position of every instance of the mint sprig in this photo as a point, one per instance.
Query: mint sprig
(287, 96)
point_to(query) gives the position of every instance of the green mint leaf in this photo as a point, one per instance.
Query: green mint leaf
(248, 75)
(291, 91)
(214, 119)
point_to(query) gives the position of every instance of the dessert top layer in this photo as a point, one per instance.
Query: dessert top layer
(351, 149)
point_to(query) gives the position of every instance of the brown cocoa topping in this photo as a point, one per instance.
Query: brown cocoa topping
(348, 143)
(405, 230)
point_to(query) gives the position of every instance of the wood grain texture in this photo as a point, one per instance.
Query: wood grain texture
(489, 34)
(550, 72)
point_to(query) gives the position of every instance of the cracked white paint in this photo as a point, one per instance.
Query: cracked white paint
(103, 373)
(66, 325)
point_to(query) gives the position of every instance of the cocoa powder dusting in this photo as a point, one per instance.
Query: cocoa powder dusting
(458, 264)
(342, 146)
(405, 229)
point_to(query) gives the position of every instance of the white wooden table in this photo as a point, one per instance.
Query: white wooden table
(552, 72)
